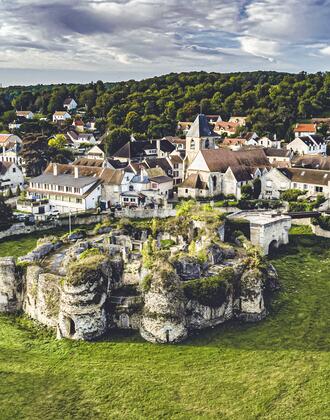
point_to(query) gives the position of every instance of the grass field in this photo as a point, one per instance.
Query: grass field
(276, 369)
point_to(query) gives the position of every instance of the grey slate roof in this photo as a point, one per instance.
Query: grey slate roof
(66, 180)
(200, 128)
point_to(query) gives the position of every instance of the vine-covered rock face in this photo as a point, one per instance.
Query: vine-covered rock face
(164, 319)
(10, 286)
(84, 294)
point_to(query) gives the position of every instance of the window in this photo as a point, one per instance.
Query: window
(126, 199)
(186, 190)
(131, 188)
(79, 200)
(305, 187)
(318, 189)
(60, 188)
(192, 144)
(76, 190)
(294, 185)
(14, 169)
(68, 189)
(176, 166)
(268, 183)
(207, 143)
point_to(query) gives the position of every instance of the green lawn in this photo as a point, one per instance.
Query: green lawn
(277, 369)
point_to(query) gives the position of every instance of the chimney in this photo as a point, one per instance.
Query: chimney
(76, 171)
(55, 169)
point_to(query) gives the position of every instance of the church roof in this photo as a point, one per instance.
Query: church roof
(200, 128)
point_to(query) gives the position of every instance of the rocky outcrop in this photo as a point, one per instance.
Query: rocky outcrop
(10, 286)
(188, 267)
(82, 314)
(164, 317)
(251, 301)
(41, 251)
(42, 296)
(202, 316)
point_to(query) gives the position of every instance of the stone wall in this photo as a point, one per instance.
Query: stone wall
(318, 231)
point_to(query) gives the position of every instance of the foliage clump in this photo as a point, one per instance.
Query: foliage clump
(210, 291)
(85, 270)
(89, 252)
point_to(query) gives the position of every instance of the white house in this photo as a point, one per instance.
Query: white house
(80, 138)
(96, 152)
(60, 116)
(278, 157)
(302, 129)
(267, 142)
(10, 146)
(69, 104)
(251, 138)
(25, 114)
(311, 181)
(312, 144)
(66, 192)
(10, 176)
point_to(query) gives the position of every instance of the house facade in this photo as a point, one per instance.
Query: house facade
(302, 129)
(69, 104)
(310, 181)
(11, 177)
(311, 144)
(60, 116)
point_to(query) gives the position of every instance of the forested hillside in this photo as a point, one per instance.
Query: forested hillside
(150, 108)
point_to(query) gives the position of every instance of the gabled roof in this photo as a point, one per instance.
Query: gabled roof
(274, 152)
(312, 162)
(158, 162)
(162, 179)
(233, 141)
(98, 163)
(218, 160)
(23, 113)
(312, 140)
(200, 128)
(226, 125)
(135, 149)
(194, 181)
(4, 137)
(306, 176)
(304, 128)
(67, 101)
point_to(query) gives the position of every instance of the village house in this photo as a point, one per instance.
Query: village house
(184, 126)
(60, 116)
(10, 147)
(278, 157)
(78, 138)
(241, 121)
(310, 181)
(251, 138)
(212, 119)
(78, 125)
(137, 150)
(222, 171)
(311, 144)
(233, 143)
(267, 142)
(28, 115)
(225, 128)
(67, 188)
(303, 129)
(69, 104)
(11, 177)
(96, 152)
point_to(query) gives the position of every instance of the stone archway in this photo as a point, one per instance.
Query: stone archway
(70, 326)
(273, 246)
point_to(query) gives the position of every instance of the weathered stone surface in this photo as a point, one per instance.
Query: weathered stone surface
(188, 268)
(252, 307)
(40, 252)
(83, 314)
(10, 286)
(164, 318)
(201, 316)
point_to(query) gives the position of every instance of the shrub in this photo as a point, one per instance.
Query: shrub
(89, 252)
(146, 283)
(291, 194)
(210, 291)
(166, 243)
(322, 221)
(85, 270)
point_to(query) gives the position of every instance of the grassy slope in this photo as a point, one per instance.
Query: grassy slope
(277, 369)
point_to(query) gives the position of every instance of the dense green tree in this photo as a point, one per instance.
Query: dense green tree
(116, 139)
(6, 215)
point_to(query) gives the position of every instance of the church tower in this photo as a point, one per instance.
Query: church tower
(199, 137)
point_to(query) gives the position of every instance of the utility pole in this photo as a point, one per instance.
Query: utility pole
(70, 221)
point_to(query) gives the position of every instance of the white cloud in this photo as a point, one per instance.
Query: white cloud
(260, 47)
(325, 50)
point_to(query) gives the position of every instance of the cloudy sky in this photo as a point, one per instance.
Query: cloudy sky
(49, 41)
